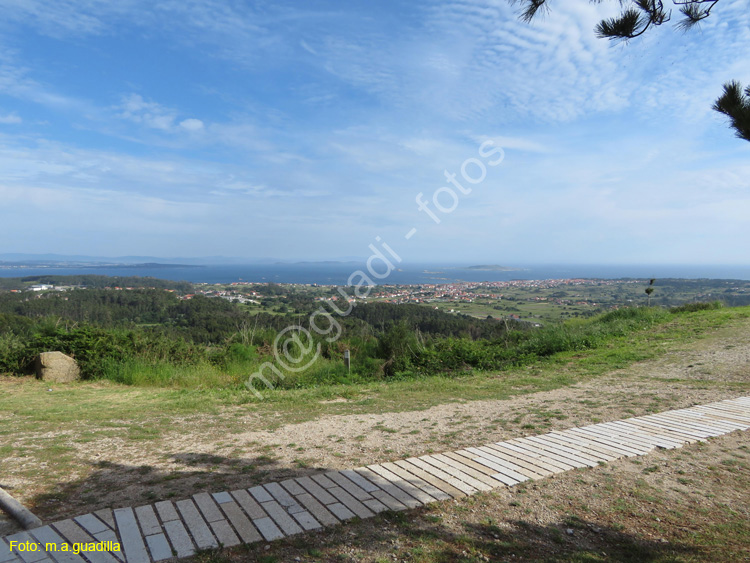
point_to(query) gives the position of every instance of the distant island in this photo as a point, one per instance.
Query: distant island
(153, 265)
(316, 262)
(493, 268)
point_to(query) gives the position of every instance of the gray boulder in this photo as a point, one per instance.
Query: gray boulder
(57, 367)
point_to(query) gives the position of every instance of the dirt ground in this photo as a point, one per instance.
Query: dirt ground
(191, 455)
(684, 505)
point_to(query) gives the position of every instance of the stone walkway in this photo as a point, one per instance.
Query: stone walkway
(155, 532)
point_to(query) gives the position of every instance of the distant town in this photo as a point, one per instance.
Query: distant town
(531, 300)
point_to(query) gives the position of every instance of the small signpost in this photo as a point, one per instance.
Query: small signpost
(347, 361)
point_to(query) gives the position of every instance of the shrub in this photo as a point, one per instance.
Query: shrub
(398, 346)
(694, 307)
(92, 347)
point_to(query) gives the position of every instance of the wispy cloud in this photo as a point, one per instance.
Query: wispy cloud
(307, 47)
(151, 114)
(10, 119)
(517, 143)
(191, 124)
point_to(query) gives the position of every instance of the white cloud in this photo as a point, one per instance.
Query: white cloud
(54, 166)
(517, 143)
(472, 60)
(192, 124)
(16, 82)
(462, 59)
(60, 17)
(151, 114)
(155, 116)
(10, 119)
(307, 47)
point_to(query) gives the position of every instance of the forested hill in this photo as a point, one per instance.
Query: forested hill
(382, 316)
(201, 319)
(212, 320)
(157, 326)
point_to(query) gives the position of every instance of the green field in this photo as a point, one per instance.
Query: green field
(554, 300)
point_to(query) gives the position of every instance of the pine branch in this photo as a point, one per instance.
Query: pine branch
(736, 105)
(530, 8)
(637, 17)
(628, 25)
(694, 12)
(633, 21)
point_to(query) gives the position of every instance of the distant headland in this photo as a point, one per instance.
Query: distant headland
(493, 268)
(44, 264)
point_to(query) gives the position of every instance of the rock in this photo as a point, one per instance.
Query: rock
(57, 367)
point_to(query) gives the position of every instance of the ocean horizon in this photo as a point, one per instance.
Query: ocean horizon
(338, 273)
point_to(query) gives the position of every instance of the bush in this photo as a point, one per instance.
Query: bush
(12, 353)
(398, 346)
(241, 353)
(523, 347)
(694, 307)
(94, 347)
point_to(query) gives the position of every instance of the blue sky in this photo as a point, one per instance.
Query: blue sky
(303, 130)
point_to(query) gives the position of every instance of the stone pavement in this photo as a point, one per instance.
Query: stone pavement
(164, 530)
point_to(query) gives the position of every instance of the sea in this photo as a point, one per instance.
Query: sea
(339, 273)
